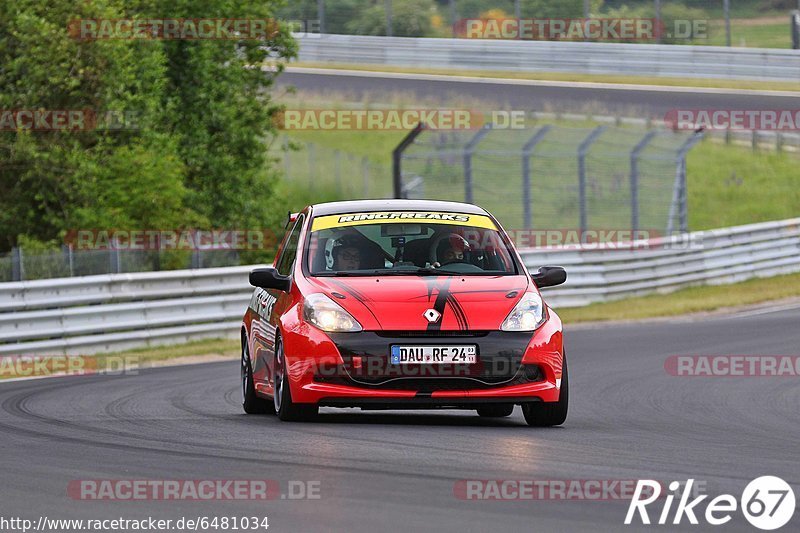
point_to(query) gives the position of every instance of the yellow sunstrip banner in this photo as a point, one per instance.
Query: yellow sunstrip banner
(399, 217)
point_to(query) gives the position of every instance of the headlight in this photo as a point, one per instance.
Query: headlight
(327, 315)
(527, 315)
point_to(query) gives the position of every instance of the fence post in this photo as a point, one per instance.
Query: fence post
(659, 25)
(17, 264)
(321, 15)
(312, 165)
(287, 158)
(679, 190)
(388, 8)
(67, 250)
(337, 170)
(582, 151)
(469, 149)
(113, 257)
(527, 152)
(453, 17)
(397, 157)
(365, 175)
(635, 178)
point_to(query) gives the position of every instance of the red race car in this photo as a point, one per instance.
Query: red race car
(402, 304)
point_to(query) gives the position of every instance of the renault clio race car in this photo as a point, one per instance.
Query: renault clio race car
(398, 304)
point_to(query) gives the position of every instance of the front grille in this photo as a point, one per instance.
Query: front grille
(528, 374)
(499, 360)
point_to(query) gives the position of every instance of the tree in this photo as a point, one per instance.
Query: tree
(196, 154)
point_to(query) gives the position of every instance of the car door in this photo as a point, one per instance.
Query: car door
(270, 303)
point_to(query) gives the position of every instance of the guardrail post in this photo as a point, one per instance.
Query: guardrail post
(469, 149)
(527, 152)
(17, 265)
(397, 156)
(582, 150)
(635, 178)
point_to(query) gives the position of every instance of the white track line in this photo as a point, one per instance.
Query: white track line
(539, 83)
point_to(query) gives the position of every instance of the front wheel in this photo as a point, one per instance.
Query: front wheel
(251, 403)
(286, 409)
(544, 414)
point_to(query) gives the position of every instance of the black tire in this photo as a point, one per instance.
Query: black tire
(251, 403)
(545, 414)
(286, 409)
(499, 410)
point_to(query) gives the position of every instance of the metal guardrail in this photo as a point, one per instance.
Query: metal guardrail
(556, 56)
(663, 265)
(120, 311)
(113, 312)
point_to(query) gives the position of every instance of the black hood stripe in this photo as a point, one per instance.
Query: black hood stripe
(441, 300)
(357, 295)
(461, 316)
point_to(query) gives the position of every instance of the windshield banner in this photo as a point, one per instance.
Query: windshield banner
(389, 217)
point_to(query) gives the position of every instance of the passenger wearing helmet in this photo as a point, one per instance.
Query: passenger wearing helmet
(346, 254)
(451, 250)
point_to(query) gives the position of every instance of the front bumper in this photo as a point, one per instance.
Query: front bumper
(354, 369)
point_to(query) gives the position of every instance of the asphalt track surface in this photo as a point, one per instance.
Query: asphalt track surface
(653, 101)
(395, 471)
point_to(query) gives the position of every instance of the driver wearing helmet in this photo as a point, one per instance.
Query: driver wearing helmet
(451, 250)
(346, 254)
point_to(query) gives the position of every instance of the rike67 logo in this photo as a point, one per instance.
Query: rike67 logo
(768, 503)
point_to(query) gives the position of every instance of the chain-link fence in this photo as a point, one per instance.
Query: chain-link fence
(329, 174)
(556, 177)
(19, 264)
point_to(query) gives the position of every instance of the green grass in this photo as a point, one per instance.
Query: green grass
(143, 357)
(691, 300)
(733, 185)
(749, 33)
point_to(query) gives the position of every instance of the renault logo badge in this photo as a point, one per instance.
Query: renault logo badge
(432, 315)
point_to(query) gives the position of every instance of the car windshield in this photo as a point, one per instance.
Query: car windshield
(407, 243)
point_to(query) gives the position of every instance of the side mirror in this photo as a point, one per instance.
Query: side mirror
(549, 276)
(268, 278)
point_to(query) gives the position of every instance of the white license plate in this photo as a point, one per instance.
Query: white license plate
(415, 355)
